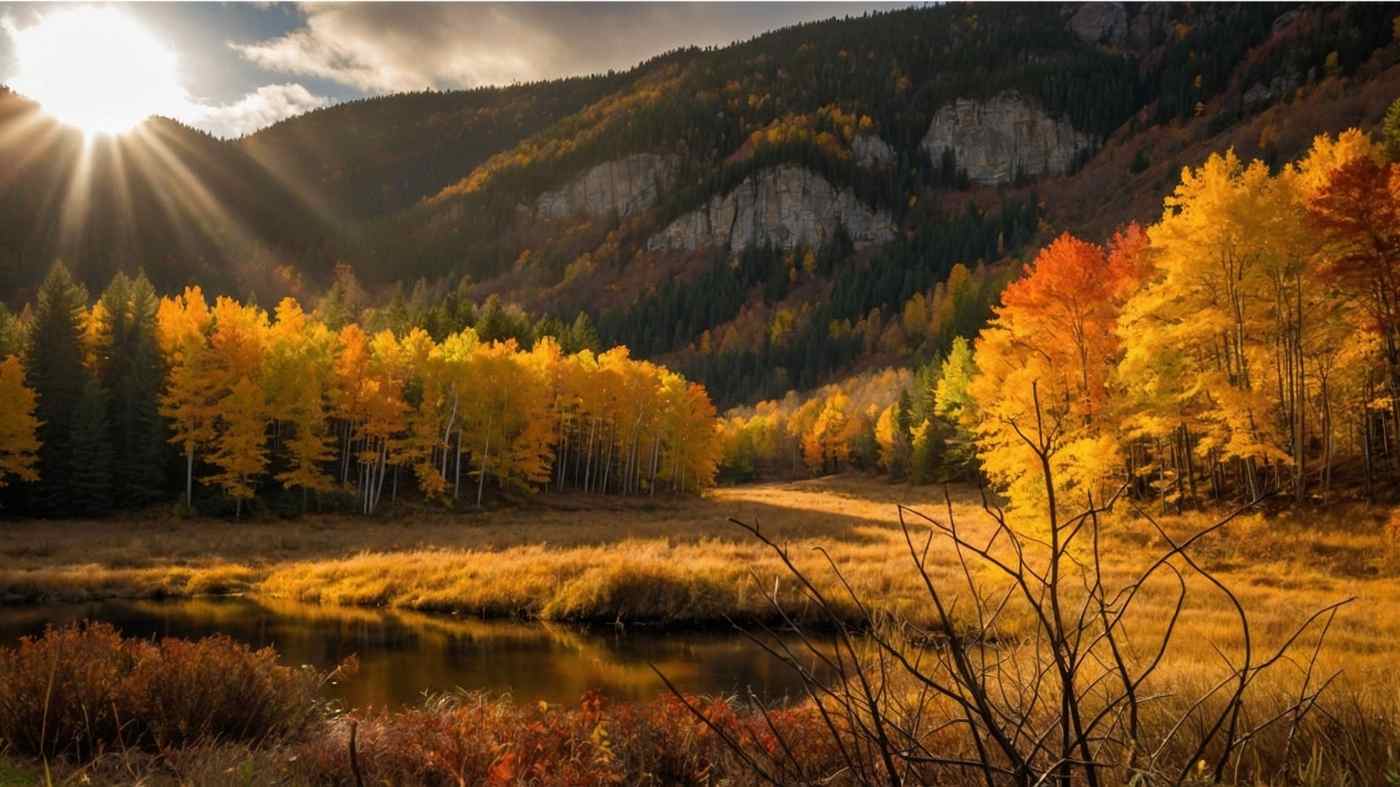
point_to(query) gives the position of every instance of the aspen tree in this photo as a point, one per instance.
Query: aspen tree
(19, 441)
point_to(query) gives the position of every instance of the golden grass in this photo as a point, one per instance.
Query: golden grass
(681, 561)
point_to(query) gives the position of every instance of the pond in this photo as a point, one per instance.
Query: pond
(404, 654)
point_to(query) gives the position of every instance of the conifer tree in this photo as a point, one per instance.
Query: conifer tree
(89, 491)
(133, 373)
(54, 371)
(11, 333)
(954, 404)
(582, 335)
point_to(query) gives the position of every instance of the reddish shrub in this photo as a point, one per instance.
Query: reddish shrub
(83, 689)
(474, 739)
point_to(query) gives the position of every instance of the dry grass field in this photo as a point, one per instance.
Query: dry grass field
(682, 563)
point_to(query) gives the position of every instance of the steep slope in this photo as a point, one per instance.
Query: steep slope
(269, 213)
(867, 156)
(380, 155)
(182, 205)
(762, 214)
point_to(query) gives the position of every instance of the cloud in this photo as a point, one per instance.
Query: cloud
(392, 47)
(263, 107)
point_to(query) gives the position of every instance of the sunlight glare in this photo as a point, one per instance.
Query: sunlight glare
(96, 69)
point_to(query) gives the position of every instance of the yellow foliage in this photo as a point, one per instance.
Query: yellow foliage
(19, 442)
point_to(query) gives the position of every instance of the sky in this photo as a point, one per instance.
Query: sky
(237, 67)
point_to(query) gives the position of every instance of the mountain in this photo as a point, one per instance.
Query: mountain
(761, 214)
(177, 202)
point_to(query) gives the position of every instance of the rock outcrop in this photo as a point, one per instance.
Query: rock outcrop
(1100, 23)
(997, 139)
(787, 206)
(872, 152)
(626, 185)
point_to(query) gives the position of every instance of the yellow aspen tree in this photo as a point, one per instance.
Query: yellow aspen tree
(19, 441)
(297, 374)
(1201, 338)
(240, 451)
(425, 433)
(350, 392)
(385, 417)
(182, 331)
(532, 448)
(886, 436)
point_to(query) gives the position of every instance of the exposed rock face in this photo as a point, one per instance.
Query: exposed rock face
(1148, 23)
(1279, 87)
(1101, 23)
(787, 206)
(996, 139)
(626, 185)
(872, 152)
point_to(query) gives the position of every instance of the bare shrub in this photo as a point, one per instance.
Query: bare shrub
(1041, 668)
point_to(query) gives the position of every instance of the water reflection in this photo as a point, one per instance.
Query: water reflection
(404, 654)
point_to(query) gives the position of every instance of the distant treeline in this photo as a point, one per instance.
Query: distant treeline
(132, 399)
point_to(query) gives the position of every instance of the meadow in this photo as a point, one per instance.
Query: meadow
(680, 562)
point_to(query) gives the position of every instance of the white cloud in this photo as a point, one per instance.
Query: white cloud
(263, 107)
(391, 47)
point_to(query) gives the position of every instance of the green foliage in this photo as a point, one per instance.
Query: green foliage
(89, 491)
(1390, 130)
(953, 405)
(498, 322)
(54, 371)
(11, 334)
(133, 373)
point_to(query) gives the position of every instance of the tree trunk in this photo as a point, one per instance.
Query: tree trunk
(485, 458)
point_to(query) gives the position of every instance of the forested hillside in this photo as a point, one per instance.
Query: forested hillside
(764, 217)
(1242, 345)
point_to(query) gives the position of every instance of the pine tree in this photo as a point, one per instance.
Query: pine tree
(582, 335)
(1391, 129)
(954, 405)
(133, 374)
(54, 371)
(11, 333)
(90, 488)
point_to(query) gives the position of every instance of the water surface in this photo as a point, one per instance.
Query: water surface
(404, 654)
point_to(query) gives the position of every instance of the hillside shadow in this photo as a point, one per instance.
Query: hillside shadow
(844, 511)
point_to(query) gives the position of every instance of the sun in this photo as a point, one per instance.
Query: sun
(96, 69)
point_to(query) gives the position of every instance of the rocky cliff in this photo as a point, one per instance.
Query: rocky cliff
(996, 139)
(872, 152)
(1100, 23)
(787, 206)
(625, 185)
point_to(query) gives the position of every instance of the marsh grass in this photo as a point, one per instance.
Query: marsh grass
(679, 562)
(676, 563)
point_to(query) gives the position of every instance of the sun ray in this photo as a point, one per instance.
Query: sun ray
(96, 69)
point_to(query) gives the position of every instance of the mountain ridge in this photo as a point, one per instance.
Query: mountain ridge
(1049, 106)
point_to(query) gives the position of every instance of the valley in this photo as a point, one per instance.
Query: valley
(962, 394)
